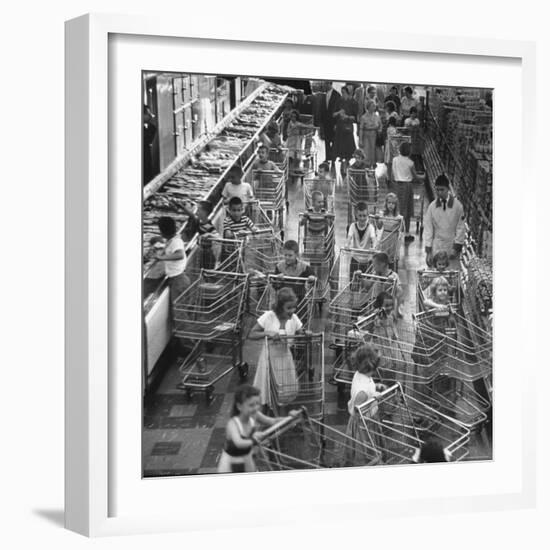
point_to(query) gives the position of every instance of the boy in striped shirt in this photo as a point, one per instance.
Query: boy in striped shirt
(237, 222)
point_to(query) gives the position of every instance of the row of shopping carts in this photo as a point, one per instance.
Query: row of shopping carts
(389, 429)
(438, 355)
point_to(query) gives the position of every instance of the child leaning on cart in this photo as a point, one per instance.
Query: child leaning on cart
(364, 362)
(241, 432)
(236, 222)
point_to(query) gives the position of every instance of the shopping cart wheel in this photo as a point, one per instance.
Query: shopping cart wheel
(243, 371)
(209, 394)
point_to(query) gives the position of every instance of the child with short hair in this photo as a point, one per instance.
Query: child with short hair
(173, 257)
(235, 187)
(293, 266)
(236, 221)
(361, 235)
(316, 221)
(262, 163)
(440, 261)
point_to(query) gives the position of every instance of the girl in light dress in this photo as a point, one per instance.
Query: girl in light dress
(365, 361)
(278, 322)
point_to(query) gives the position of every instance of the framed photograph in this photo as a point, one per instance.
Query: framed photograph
(282, 257)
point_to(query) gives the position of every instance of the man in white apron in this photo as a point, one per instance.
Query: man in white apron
(444, 228)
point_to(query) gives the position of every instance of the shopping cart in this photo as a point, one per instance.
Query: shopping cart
(261, 252)
(209, 315)
(362, 187)
(269, 190)
(302, 151)
(302, 442)
(206, 252)
(280, 157)
(425, 277)
(316, 242)
(302, 287)
(398, 424)
(259, 216)
(388, 233)
(341, 273)
(436, 360)
(354, 303)
(325, 186)
(296, 373)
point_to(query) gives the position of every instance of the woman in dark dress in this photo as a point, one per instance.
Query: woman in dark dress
(344, 140)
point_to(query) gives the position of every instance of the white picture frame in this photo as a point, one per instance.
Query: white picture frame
(103, 401)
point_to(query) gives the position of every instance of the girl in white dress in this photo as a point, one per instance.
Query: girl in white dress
(365, 360)
(281, 320)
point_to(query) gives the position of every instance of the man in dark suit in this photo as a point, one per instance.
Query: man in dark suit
(330, 103)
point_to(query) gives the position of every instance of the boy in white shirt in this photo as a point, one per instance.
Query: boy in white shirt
(235, 187)
(173, 257)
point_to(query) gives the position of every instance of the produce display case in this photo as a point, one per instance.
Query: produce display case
(199, 173)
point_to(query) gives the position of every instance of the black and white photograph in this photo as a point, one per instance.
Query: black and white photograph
(317, 274)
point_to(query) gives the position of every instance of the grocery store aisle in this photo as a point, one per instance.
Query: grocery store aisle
(183, 436)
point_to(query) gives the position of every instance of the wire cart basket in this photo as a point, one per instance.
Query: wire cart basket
(316, 241)
(296, 373)
(302, 150)
(362, 187)
(261, 252)
(206, 252)
(436, 361)
(302, 442)
(398, 424)
(302, 287)
(354, 303)
(388, 232)
(280, 157)
(325, 186)
(269, 190)
(209, 314)
(341, 273)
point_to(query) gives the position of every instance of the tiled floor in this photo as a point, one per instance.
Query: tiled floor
(185, 436)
